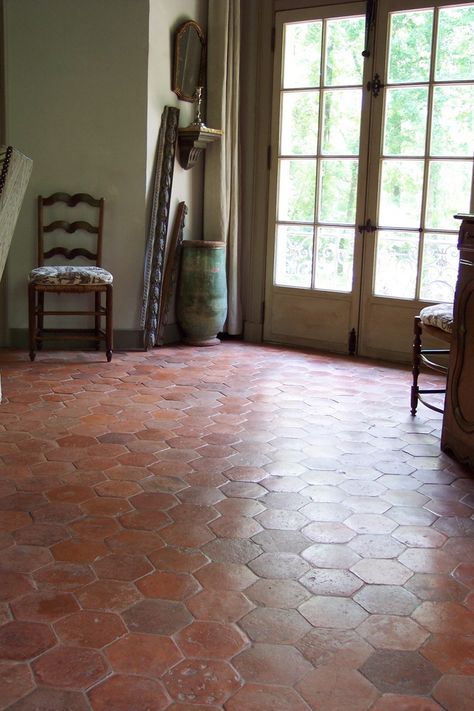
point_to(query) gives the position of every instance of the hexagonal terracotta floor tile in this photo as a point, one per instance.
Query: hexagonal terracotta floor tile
(235, 527)
(219, 605)
(42, 699)
(345, 648)
(187, 534)
(386, 599)
(272, 664)
(108, 595)
(64, 576)
(455, 692)
(419, 536)
(274, 625)
(157, 501)
(451, 654)
(336, 612)
(41, 534)
(400, 702)
(279, 565)
(145, 519)
(211, 681)
(79, 551)
(25, 559)
(285, 594)
(330, 555)
(392, 632)
(123, 693)
(332, 688)
(23, 640)
(370, 545)
(90, 628)
(400, 672)
(94, 528)
(143, 654)
(44, 606)
(134, 542)
(330, 581)
(168, 585)
(11, 520)
(70, 494)
(181, 560)
(278, 541)
(69, 667)
(259, 697)
(381, 571)
(122, 566)
(13, 585)
(225, 576)
(216, 640)
(445, 618)
(15, 681)
(157, 617)
(430, 560)
(231, 550)
(58, 512)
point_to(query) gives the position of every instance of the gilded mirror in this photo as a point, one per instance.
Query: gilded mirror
(189, 60)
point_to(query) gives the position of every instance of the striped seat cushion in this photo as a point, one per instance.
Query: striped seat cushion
(70, 276)
(438, 316)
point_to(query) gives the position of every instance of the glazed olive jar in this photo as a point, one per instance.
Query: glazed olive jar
(201, 301)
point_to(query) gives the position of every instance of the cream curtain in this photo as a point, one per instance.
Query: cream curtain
(221, 183)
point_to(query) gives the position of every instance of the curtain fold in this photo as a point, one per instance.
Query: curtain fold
(221, 182)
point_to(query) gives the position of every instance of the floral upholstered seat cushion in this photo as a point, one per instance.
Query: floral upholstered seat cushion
(70, 276)
(438, 316)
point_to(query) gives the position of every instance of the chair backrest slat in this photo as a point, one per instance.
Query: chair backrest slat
(72, 200)
(70, 253)
(71, 227)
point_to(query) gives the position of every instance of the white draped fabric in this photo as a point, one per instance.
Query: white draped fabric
(221, 184)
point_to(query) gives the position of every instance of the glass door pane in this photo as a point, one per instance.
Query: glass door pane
(318, 153)
(425, 168)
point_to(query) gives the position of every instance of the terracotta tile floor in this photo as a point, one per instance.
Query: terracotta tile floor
(242, 528)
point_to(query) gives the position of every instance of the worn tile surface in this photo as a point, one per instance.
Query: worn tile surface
(240, 528)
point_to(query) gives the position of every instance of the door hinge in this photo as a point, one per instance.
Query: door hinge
(262, 314)
(352, 345)
(269, 157)
(368, 227)
(272, 40)
(375, 85)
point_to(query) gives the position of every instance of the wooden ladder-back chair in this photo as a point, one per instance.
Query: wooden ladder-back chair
(73, 278)
(436, 321)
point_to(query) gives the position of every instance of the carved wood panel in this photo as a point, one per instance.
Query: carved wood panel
(156, 244)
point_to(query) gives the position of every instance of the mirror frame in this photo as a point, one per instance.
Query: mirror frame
(179, 56)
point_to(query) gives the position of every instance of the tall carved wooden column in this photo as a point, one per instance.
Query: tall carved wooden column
(457, 435)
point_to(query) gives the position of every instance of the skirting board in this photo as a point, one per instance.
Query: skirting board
(124, 340)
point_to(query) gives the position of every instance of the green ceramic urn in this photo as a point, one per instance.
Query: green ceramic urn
(201, 301)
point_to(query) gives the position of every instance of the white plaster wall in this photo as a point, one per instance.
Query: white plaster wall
(86, 83)
(165, 18)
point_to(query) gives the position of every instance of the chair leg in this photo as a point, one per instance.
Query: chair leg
(32, 320)
(97, 302)
(108, 322)
(40, 319)
(416, 363)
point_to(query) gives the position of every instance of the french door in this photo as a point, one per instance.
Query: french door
(373, 155)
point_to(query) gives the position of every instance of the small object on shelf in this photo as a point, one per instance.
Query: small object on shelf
(193, 139)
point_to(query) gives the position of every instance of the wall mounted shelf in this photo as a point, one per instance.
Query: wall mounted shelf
(193, 140)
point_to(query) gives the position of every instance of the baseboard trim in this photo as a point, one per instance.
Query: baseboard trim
(124, 340)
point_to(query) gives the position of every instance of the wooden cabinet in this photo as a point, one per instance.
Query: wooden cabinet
(457, 437)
